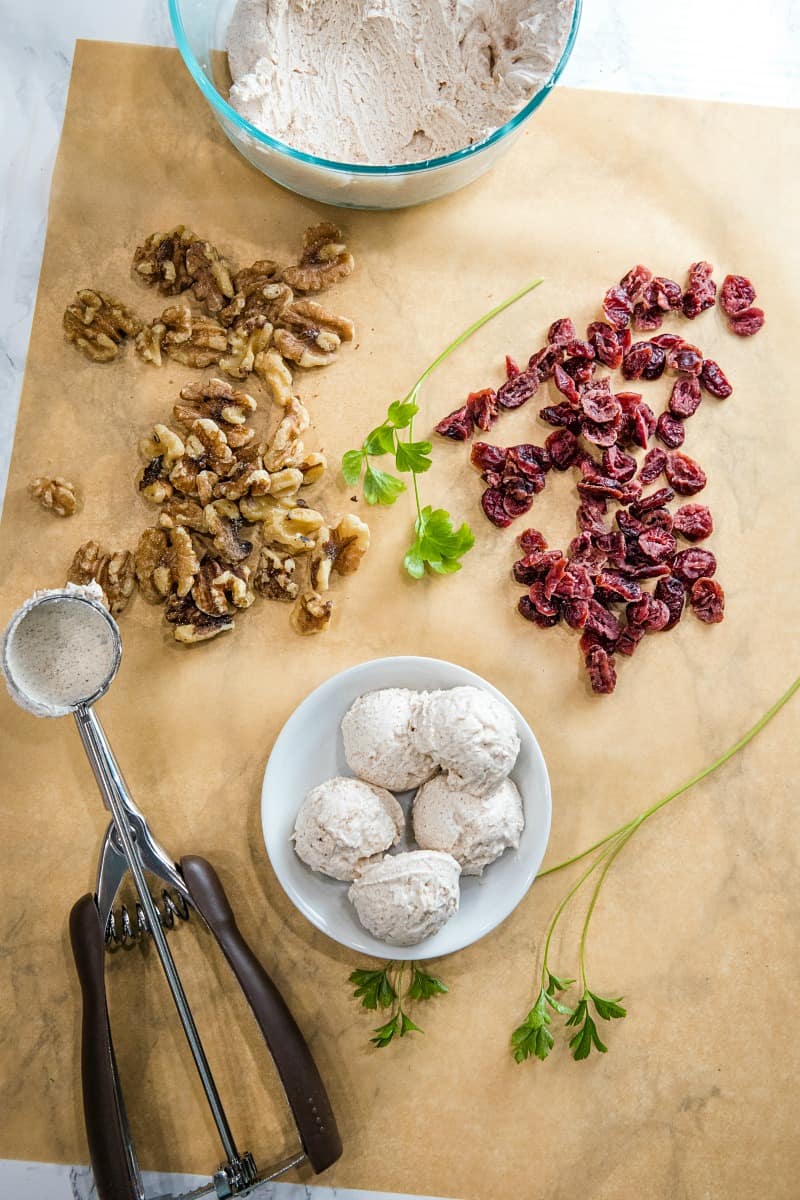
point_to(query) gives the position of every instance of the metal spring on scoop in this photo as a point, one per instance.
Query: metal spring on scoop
(124, 930)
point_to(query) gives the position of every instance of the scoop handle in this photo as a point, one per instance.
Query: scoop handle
(110, 1147)
(298, 1072)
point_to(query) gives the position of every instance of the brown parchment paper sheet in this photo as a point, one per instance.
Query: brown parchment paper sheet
(698, 925)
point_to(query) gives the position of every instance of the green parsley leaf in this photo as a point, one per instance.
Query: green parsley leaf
(586, 1037)
(413, 456)
(380, 487)
(407, 1025)
(380, 440)
(579, 1012)
(352, 463)
(437, 545)
(413, 562)
(423, 987)
(385, 1033)
(609, 1010)
(373, 988)
(554, 984)
(401, 413)
(533, 1037)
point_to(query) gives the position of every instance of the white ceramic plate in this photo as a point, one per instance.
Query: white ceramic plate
(309, 750)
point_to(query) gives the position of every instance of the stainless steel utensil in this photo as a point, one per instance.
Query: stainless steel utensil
(189, 886)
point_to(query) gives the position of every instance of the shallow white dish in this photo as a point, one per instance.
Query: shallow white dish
(309, 750)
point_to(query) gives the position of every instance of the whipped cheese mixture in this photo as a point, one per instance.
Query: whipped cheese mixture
(390, 81)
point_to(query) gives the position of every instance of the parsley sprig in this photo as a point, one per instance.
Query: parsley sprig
(385, 988)
(438, 545)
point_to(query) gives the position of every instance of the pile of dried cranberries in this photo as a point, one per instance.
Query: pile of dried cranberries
(607, 564)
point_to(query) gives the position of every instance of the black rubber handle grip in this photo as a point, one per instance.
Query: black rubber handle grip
(103, 1113)
(301, 1080)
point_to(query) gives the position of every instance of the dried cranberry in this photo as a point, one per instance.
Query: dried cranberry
(736, 294)
(650, 614)
(528, 458)
(599, 433)
(667, 340)
(541, 599)
(655, 368)
(561, 331)
(553, 577)
(685, 475)
(599, 402)
(630, 525)
(694, 522)
(565, 384)
(516, 505)
(657, 544)
(685, 397)
(580, 369)
(631, 492)
(588, 516)
(582, 550)
(685, 358)
(633, 282)
(657, 518)
(606, 344)
(531, 541)
(526, 608)
(534, 565)
(669, 430)
(649, 570)
(618, 586)
(492, 504)
(612, 545)
(487, 458)
(483, 407)
(707, 600)
(617, 307)
(629, 639)
(692, 564)
(637, 358)
(746, 323)
(562, 415)
(647, 319)
(579, 349)
(662, 294)
(656, 499)
(513, 368)
(599, 487)
(700, 291)
(618, 465)
(543, 362)
(600, 669)
(575, 583)
(713, 379)
(518, 390)
(575, 613)
(563, 448)
(652, 465)
(642, 425)
(602, 622)
(670, 591)
(456, 425)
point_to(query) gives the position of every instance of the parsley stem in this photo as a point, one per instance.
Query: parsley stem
(684, 787)
(610, 855)
(556, 918)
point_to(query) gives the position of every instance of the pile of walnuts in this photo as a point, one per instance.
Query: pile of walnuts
(232, 524)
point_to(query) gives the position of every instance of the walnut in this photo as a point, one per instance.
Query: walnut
(179, 511)
(214, 398)
(205, 346)
(165, 561)
(244, 346)
(161, 260)
(208, 445)
(311, 614)
(210, 274)
(246, 479)
(162, 451)
(256, 294)
(311, 318)
(224, 523)
(286, 449)
(290, 525)
(97, 324)
(112, 570)
(190, 624)
(218, 586)
(151, 483)
(186, 338)
(308, 348)
(192, 479)
(340, 549)
(313, 467)
(274, 574)
(57, 495)
(325, 259)
(270, 367)
(283, 484)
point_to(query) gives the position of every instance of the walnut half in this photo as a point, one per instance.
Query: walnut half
(57, 495)
(340, 549)
(324, 260)
(311, 614)
(112, 570)
(190, 624)
(165, 561)
(97, 324)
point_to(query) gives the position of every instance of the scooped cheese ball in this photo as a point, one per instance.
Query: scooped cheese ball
(470, 734)
(406, 898)
(378, 740)
(476, 830)
(344, 825)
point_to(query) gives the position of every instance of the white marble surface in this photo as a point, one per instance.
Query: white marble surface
(709, 50)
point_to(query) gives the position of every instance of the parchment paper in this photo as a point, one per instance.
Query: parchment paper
(698, 923)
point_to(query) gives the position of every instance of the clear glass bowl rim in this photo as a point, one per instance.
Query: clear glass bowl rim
(216, 101)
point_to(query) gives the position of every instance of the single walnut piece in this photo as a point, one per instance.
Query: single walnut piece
(165, 561)
(97, 324)
(151, 483)
(313, 467)
(192, 479)
(325, 259)
(246, 479)
(112, 570)
(340, 549)
(211, 279)
(57, 495)
(283, 485)
(292, 526)
(286, 448)
(208, 445)
(179, 511)
(161, 260)
(224, 523)
(274, 574)
(271, 367)
(255, 295)
(308, 317)
(244, 346)
(162, 451)
(186, 338)
(308, 348)
(311, 614)
(218, 586)
(190, 623)
(216, 399)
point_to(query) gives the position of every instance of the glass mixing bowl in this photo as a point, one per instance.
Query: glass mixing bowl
(200, 28)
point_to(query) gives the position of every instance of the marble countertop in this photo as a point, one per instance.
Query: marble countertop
(709, 51)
